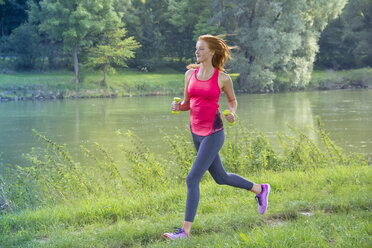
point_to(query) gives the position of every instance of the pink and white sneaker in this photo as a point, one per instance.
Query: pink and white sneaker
(263, 198)
(179, 234)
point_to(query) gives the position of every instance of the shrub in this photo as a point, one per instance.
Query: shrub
(52, 176)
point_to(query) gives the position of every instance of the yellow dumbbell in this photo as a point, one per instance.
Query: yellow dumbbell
(176, 99)
(226, 113)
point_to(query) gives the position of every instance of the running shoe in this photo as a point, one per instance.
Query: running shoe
(179, 234)
(263, 198)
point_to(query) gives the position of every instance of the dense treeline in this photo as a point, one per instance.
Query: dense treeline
(277, 41)
(346, 42)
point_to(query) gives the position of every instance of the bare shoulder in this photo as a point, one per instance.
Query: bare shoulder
(188, 74)
(224, 77)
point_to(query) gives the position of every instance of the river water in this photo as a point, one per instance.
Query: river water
(346, 115)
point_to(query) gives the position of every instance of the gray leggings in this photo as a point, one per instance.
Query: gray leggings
(208, 158)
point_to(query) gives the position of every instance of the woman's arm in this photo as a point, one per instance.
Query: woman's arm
(185, 105)
(227, 87)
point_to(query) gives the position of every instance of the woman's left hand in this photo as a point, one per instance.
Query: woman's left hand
(230, 118)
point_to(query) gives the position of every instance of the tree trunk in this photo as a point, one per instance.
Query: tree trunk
(104, 76)
(76, 63)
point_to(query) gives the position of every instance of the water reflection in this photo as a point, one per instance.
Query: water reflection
(346, 115)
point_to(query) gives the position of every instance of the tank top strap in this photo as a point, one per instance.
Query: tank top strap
(215, 75)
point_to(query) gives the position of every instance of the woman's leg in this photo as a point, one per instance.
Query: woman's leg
(221, 177)
(207, 148)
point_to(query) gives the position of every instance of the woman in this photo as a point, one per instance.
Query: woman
(203, 85)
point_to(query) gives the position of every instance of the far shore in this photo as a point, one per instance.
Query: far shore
(60, 84)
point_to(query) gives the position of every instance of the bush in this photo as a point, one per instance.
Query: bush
(25, 46)
(52, 176)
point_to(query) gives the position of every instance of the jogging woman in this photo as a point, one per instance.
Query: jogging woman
(204, 83)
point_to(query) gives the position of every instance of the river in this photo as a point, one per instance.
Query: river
(346, 115)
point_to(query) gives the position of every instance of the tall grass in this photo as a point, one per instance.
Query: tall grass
(52, 176)
(58, 202)
(330, 79)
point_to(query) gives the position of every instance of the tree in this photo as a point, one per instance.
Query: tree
(345, 43)
(74, 22)
(112, 50)
(277, 39)
(24, 44)
(147, 22)
(12, 14)
(190, 19)
(166, 29)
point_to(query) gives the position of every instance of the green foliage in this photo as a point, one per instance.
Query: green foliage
(345, 43)
(166, 30)
(245, 151)
(183, 153)
(74, 23)
(190, 19)
(275, 38)
(24, 44)
(147, 22)
(56, 201)
(147, 171)
(330, 79)
(306, 209)
(53, 176)
(112, 50)
(12, 14)
(61, 84)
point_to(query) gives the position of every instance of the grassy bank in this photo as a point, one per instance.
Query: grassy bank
(321, 196)
(61, 84)
(329, 79)
(317, 208)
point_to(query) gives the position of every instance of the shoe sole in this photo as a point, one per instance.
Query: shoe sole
(267, 198)
(165, 236)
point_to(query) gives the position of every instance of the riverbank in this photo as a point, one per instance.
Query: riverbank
(61, 85)
(312, 202)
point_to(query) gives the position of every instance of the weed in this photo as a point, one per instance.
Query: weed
(56, 201)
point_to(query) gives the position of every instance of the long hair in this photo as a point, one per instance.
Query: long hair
(220, 48)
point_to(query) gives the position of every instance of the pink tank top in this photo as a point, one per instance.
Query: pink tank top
(204, 96)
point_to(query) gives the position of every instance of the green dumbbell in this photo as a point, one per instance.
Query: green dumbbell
(176, 99)
(226, 113)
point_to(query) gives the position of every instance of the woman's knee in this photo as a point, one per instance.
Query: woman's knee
(192, 180)
(226, 179)
(219, 180)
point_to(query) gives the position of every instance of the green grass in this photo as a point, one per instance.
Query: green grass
(127, 82)
(330, 79)
(227, 217)
(321, 197)
(131, 82)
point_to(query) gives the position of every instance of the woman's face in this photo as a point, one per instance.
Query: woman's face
(202, 52)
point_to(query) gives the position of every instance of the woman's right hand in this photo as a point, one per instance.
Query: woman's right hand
(176, 106)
